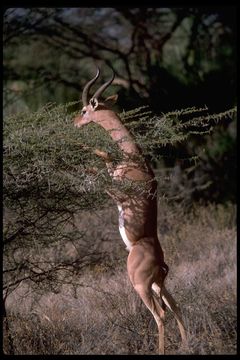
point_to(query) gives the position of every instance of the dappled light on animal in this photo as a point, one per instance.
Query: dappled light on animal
(146, 267)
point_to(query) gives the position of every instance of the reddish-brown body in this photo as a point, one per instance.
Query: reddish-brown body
(137, 211)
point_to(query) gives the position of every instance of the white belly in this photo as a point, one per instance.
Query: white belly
(122, 229)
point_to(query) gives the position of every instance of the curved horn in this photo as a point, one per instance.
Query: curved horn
(103, 87)
(87, 88)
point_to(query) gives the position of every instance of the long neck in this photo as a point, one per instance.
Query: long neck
(112, 123)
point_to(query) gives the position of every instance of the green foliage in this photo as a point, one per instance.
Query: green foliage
(50, 170)
(50, 173)
(153, 132)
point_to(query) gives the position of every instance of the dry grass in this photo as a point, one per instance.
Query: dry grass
(105, 316)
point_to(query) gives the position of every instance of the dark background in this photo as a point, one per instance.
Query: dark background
(167, 58)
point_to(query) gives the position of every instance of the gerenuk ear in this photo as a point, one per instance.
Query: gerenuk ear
(111, 100)
(93, 103)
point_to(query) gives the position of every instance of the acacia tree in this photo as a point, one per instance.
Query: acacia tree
(168, 58)
(48, 179)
